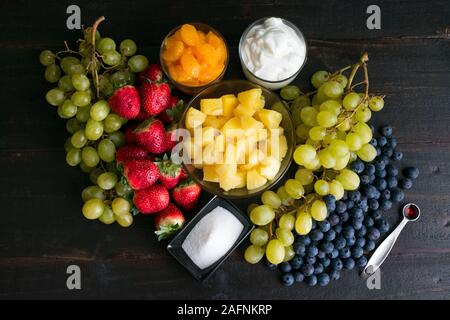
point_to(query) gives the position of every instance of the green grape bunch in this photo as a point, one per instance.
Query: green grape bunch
(331, 132)
(85, 79)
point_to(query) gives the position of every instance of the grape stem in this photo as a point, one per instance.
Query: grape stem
(102, 166)
(68, 50)
(310, 93)
(95, 26)
(357, 84)
(270, 231)
(366, 76)
(94, 58)
(361, 63)
(340, 71)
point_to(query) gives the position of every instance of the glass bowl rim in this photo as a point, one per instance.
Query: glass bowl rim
(290, 24)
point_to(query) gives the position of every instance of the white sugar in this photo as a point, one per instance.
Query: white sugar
(212, 237)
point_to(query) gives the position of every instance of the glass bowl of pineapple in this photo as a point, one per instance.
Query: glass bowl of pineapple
(238, 139)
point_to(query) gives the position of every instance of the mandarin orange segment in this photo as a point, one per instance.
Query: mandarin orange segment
(189, 50)
(177, 35)
(190, 65)
(183, 76)
(216, 71)
(189, 35)
(209, 54)
(201, 37)
(222, 52)
(213, 39)
(173, 51)
(173, 72)
(203, 64)
(196, 51)
(205, 76)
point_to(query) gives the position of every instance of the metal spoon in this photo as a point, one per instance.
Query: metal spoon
(411, 212)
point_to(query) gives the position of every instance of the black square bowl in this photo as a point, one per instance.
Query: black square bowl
(175, 246)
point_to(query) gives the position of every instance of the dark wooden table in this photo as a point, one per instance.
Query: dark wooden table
(42, 230)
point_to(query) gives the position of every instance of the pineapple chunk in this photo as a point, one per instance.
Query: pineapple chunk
(241, 151)
(229, 181)
(253, 159)
(250, 143)
(261, 135)
(194, 118)
(255, 180)
(243, 110)
(208, 135)
(241, 177)
(234, 154)
(249, 124)
(270, 118)
(261, 104)
(220, 142)
(276, 132)
(250, 98)
(224, 168)
(229, 102)
(215, 122)
(262, 145)
(282, 147)
(269, 167)
(211, 107)
(210, 154)
(272, 145)
(232, 128)
(210, 174)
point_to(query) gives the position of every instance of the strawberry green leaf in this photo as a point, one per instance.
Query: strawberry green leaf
(134, 211)
(124, 181)
(166, 231)
(176, 112)
(168, 168)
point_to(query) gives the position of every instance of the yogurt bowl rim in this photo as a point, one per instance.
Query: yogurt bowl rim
(259, 22)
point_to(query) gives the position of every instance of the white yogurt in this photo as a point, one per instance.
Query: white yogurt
(272, 51)
(212, 237)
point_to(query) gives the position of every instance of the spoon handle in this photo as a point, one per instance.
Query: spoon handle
(383, 250)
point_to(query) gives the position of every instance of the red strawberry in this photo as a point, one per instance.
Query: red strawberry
(169, 172)
(152, 199)
(140, 173)
(171, 139)
(125, 102)
(130, 152)
(151, 135)
(153, 73)
(142, 116)
(154, 96)
(173, 111)
(168, 221)
(186, 194)
(130, 137)
(183, 174)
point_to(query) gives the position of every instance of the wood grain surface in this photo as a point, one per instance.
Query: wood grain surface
(42, 230)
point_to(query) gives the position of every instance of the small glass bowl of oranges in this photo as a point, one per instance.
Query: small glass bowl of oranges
(194, 56)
